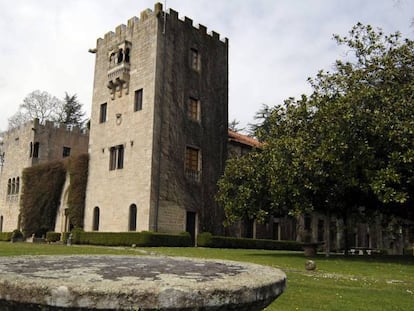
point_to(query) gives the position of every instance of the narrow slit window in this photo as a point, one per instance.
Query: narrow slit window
(36, 147)
(102, 113)
(9, 186)
(120, 160)
(112, 158)
(138, 100)
(133, 217)
(195, 59)
(95, 221)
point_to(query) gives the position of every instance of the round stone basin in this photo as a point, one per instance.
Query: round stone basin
(135, 283)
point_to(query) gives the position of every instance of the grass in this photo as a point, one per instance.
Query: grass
(354, 283)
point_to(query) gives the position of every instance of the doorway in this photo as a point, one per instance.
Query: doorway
(190, 226)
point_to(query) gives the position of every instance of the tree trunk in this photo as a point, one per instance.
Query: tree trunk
(327, 233)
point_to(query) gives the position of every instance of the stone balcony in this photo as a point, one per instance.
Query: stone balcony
(118, 78)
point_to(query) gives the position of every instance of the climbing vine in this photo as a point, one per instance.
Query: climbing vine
(78, 171)
(42, 188)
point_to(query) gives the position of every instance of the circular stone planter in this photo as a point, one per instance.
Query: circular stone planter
(135, 283)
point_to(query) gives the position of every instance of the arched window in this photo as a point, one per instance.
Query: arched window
(112, 59)
(17, 184)
(9, 187)
(120, 56)
(13, 186)
(133, 217)
(95, 221)
(127, 55)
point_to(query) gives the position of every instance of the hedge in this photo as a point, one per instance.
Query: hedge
(144, 238)
(5, 236)
(53, 236)
(206, 239)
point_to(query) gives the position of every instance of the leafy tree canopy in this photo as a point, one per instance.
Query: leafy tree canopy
(44, 106)
(349, 144)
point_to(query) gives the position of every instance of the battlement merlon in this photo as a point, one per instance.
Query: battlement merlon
(35, 125)
(122, 30)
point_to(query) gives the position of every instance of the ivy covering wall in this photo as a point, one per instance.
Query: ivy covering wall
(42, 191)
(78, 171)
(42, 188)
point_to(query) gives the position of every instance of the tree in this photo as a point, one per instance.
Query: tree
(260, 120)
(234, 126)
(72, 114)
(37, 104)
(351, 143)
(243, 190)
(43, 106)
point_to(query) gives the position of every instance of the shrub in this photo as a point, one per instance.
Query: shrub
(53, 236)
(65, 236)
(144, 238)
(5, 236)
(208, 240)
(76, 235)
(17, 234)
(205, 239)
(163, 239)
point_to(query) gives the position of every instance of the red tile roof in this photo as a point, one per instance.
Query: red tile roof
(244, 139)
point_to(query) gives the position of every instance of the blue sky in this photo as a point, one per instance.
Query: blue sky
(275, 45)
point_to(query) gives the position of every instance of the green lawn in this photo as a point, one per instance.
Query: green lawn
(354, 283)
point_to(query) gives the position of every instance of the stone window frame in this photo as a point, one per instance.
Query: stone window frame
(195, 59)
(96, 218)
(103, 112)
(133, 217)
(13, 186)
(36, 150)
(66, 151)
(116, 157)
(138, 99)
(9, 186)
(194, 109)
(193, 163)
(17, 185)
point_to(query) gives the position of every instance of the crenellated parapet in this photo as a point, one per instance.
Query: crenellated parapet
(123, 31)
(49, 126)
(116, 46)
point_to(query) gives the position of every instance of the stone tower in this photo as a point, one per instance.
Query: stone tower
(158, 126)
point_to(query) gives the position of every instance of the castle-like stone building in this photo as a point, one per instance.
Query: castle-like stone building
(159, 124)
(28, 145)
(158, 141)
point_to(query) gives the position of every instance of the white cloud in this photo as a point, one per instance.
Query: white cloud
(274, 45)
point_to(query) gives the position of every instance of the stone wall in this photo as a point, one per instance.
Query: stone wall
(114, 191)
(19, 146)
(155, 138)
(179, 82)
(16, 147)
